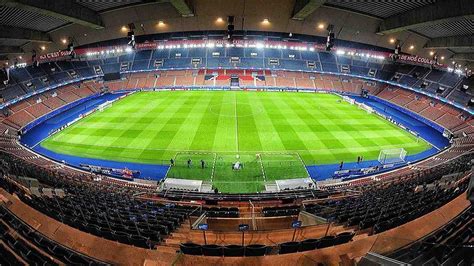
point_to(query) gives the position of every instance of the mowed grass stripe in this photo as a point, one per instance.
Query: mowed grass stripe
(288, 136)
(165, 127)
(269, 138)
(151, 127)
(207, 126)
(226, 132)
(249, 139)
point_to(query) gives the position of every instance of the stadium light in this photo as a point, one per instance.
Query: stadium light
(321, 26)
(265, 21)
(70, 48)
(42, 47)
(131, 36)
(412, 47)
(330, 37)
(435, 58)
(230, 28)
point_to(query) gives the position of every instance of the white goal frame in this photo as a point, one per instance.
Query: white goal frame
(392, 156)
(365, 107)
(102, 106)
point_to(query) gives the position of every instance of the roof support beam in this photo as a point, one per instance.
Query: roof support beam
(67, 10)
(4, 50)
(15, 33)
(304, 8)
(183, 7)
(465, 41)
(463, 57)
(439, 12)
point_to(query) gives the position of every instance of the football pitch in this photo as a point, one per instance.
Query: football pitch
(273, 134)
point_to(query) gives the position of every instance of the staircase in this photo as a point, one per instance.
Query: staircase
(178, 236)
(234, 83)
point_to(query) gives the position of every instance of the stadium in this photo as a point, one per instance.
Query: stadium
(247, 132)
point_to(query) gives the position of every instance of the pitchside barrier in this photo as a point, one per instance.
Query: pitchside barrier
(100, 108)
(409, 113)
(393, 121)
(57, 111)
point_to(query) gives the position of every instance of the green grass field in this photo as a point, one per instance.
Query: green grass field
(287, 129)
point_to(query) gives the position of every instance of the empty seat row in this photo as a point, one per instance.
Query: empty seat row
(27, 246)
(316, 243)
(227, 251)
(261, 250)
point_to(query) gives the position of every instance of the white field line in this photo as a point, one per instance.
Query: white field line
(302, 162)
(213, 166)
(169, 168)
(263, 168)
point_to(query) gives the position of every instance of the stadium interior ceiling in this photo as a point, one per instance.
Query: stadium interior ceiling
(425, 28)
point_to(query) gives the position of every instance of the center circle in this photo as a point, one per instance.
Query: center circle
(232, 109)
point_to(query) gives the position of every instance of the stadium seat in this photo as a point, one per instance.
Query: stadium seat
(343, 238)
(191, 248)
(255, 250)
(326, 241)
(212, 250)
(309, 244)
(234, 251)
(289, 247)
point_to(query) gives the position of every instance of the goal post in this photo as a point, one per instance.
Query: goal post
(348, 99)
(365, 107)
(392, 156)
(102, 106)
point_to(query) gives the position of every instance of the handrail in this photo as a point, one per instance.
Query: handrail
(254, 223)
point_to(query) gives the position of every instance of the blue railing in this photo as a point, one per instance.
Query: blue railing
(56, 112)
(410, 113)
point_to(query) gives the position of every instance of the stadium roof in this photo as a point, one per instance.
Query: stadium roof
(423, 27)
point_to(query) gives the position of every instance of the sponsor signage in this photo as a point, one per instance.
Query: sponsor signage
(203, 227)
(244, 227)
(296, 224)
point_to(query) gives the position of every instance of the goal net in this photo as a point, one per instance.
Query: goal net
(348, 99)
(102, 106)
(182, 184)
(295, 183)
(390, 156)
(365, 107)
